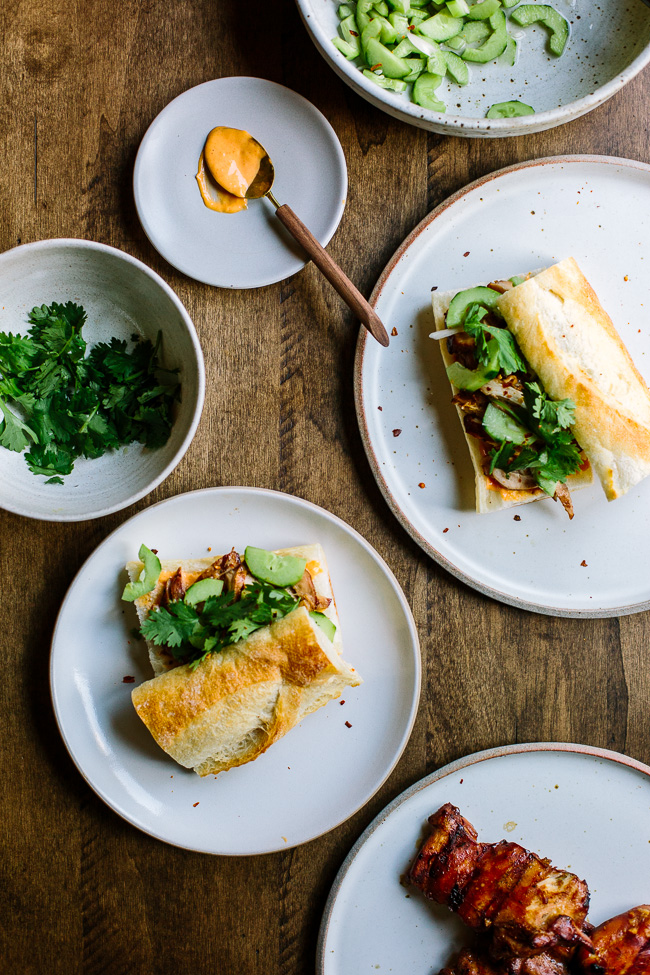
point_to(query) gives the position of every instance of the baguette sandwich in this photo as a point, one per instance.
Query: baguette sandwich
(242, 649)
(545, 389)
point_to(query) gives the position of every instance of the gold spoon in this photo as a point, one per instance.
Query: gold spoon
(261, 186)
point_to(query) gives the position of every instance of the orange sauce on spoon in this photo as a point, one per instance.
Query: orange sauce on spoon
(228, 164)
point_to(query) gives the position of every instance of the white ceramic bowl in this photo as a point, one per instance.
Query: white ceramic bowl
(609, 44)
(121, 296)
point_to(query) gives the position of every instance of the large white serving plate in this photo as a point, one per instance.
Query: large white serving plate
(251, 248)
(597, 209)
(586, 809)
(608, 45)
(311, 780)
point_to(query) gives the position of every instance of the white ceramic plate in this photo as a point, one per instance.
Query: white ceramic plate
(311, 780)
(250, 248)
(597, 209)
(585, 809)
(121, 296)
(609, 44)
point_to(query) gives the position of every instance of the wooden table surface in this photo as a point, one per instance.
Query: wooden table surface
(82, 891)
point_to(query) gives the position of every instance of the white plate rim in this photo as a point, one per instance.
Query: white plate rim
(408, 616)
(84, 244)
(462, 125)
(373, 460)
(338, 210)
(458, 765)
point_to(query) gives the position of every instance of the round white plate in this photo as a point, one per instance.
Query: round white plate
(251, 248)
(597, 209)
(311, 780)
(585, 809)
(609, 44)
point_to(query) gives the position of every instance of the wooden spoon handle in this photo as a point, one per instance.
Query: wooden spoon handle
(351, 296)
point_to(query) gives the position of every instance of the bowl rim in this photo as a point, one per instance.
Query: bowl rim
(395, 104)
(83, 244)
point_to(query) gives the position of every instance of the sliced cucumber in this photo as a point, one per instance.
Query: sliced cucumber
(325, 623)
(509, 110)
(202, 590)
(484, 10)
(457, 68)
(542, 13)
(441, 26)
(460, 303)
(277, 570)
(424, 92)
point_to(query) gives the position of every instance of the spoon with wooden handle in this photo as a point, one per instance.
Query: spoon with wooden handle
(261, 186)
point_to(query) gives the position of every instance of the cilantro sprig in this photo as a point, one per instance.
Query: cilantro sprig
(63, 401)
(553, 454)
(495, 347)
(193, 632)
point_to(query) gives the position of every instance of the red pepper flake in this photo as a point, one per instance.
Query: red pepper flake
(517, 518)
(354, 33)
(466, 254)
(128, 680)
(393, 331)
(396, 432)
(421, 484)
(209, 548)
(155, 551)
(626, 278)
(583, 563)
(461, 781)
(341, 702)
(435, 287)
(380, 408)
(444, 530)
(376, 67)
(194, 805)
(347, 724)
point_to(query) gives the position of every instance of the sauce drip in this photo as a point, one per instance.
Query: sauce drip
(213, 195)
(228, 165)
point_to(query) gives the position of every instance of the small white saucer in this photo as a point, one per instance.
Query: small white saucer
(251, 248)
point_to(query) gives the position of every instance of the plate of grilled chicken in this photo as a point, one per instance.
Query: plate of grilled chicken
(529, 859)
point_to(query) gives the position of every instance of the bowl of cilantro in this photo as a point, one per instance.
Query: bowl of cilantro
(102, 380)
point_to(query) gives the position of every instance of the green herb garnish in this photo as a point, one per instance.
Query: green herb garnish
(191, 633)
(495, 346)
(62, 403)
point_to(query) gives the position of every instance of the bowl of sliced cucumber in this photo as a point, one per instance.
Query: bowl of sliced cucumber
(482, 68)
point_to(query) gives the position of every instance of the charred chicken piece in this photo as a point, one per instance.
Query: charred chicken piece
(175, 588)
(621, 946)
(230, 569)
(527, 906)
(305, 590)
(477, 962)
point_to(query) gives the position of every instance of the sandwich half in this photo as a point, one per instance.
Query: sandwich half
(219, 701)
(521, 440)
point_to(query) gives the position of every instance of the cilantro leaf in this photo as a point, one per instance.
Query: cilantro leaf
(14, 434)
(496, 346)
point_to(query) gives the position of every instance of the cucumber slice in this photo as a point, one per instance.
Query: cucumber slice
(418, 66)
(424, 92)
(277, 570)
(389, 84)
(509, 3)
(501, 426)
(440, 27)
(457, 68)
(437, 63)
(483, 10)
(470, 379)
(377, 53)
(325, 623)
(460, 303)
(475, 32)
(509, 56)
(382, 8)
(509, 110)
(347, 50)
(494, 45)
(400, 6)
(349, 33)
(542, 13)
(458, 8)
(148, 577)
(345, 11)
(202, 590)
(456, 43)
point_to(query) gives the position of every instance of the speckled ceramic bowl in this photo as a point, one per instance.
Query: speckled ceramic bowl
(609, 44)
(121, 296)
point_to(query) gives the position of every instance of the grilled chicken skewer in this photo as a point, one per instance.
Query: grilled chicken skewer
(621, 946)
(473, 962)
(527, 906)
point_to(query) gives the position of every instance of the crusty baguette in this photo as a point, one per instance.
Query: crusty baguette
(571, 343)
(489, 495)
(236, 703)
(161, 661)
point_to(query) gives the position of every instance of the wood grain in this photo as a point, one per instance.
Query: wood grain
(82, 891)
